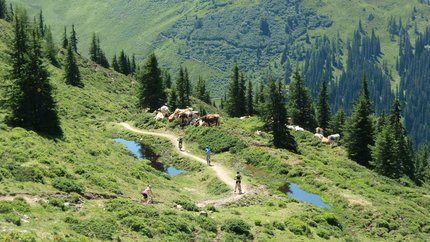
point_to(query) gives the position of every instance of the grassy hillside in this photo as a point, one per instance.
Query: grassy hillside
(85, 187)
(210, 36)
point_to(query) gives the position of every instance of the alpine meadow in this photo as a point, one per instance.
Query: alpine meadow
(214, 120)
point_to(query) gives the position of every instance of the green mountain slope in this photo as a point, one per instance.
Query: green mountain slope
(85, 187)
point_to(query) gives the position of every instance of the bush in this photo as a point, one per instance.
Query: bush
(211, 207)
(298, 227)
(207, 224)
(187, 205)
(57, 202)
(216, 187)
(67, 185)
(125, 208)
(278, 225)
(101, 228)
(27, 174)
(237, 226)
(218, 140)
(13, 218)
(17, 236)
(138, 224)
(17, 204)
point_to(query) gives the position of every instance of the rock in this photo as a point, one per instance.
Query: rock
(203, 213)
(179, 207)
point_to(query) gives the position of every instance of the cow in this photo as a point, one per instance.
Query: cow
(319, 131)
(159, 116)
(325, 140)
(334, 139)
(298, 128)
(185, 115)
(211, 119)
(319, 136)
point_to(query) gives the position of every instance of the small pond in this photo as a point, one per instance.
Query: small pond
(293, 190)
(141, 152)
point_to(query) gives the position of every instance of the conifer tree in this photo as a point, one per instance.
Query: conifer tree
(300, 103)
(167, 78)
(422, 165)
(133, 65)
(32, 104)
(323, 106)
(94, 49)
(3, 9)
(73, 75)
(276, 117)
(181, 89)
(65, 39)
(233, 94)
(50, 49)
(359, 129)
(115, 64)
(41, 24)
(201, 92)
(241, 96)
(249, 99)
(384, 157)
(152, 94)
(124, 66)
(74, 39)
(337, 123)
(173, 100)
(10, 14)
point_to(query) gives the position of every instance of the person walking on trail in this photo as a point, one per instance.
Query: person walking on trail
(180, 140)
(238, 183)
(208, 155)
(147, 194)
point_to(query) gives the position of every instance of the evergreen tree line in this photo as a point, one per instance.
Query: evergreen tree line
(96, 53)
(123, 64)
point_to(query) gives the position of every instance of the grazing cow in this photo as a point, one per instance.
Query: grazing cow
(159, 116)
(211, 119)
(185, 115)
(319, 131)
(290, 127)
(319, 136)
(326, 141)
(164, 109)
(298, 128)
(334, 139)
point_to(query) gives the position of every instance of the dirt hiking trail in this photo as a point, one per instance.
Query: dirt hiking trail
(220, 171)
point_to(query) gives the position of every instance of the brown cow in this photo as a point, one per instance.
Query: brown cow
(211, 119)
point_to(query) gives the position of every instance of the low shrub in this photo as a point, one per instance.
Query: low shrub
(237, 226)
(207, 224)
(27, 174)
(187, 205)
(57, 202)
(67, 185)
(13, 218)
(138, 224)
(298, 227)
(100, 228)
(211, 207)
(17, 205)
(278, 225)
(218, 140)
(216, 187)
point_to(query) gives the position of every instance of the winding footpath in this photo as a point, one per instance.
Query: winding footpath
(220, 171)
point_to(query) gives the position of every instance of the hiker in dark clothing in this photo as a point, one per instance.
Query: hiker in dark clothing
(238, 183)
(208, 155)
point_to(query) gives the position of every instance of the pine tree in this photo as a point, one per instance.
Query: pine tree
(359, 129)
(249, 99)
(152, 94)
(3, 9)
(181, 90)
(241, 98)
(74, 39)
(133, 65)
(337, 123)
(402, 147)
(323, 106)
(233, 94)
(115, 64)
(41, 24)
(73, 75)
(188, 88)
(276, 117)
(201, 92)
(383, 155)
(123, 63)
(94, 55)
(50, 49)
(32, 104)
(10, 14)
(173, 100)
(300, 103)
(422, 165)
(65, 38)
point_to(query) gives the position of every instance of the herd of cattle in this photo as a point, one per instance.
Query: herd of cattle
(187, 116)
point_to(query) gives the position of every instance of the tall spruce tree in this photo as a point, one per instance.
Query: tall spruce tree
(402, 147)
(359, 129)
(3, 9)
(233, 94)
(115, 64)
(276, 117)
(337, 123)
(181, 90)
(94, 49)
(124, 65)
(384, 158)
(300, 103)
(188, 88)
(241, 96)
(201, 92)
(32, 104)
(65, 41)
(323, 106)
(422, 165)
(249, 99)
(173, 99)
(73, 75)
(152, 93)
(41, 24)
(50, 49)
(74, 39)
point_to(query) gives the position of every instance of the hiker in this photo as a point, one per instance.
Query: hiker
(146, 194)
(238, 183)
(208, 155)
(180, 139)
